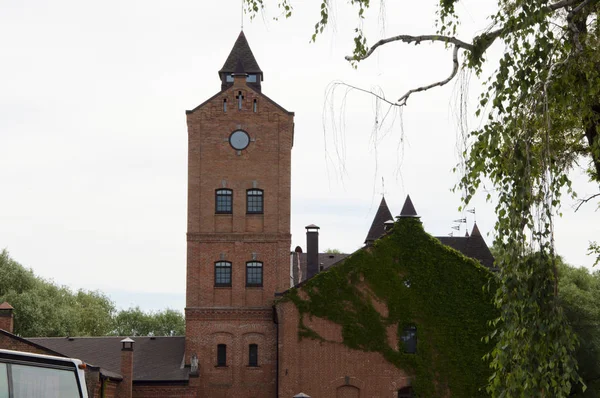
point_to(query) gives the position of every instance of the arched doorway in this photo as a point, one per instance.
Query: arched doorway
(347, 392)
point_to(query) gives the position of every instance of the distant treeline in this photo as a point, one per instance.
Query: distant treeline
(43, 308)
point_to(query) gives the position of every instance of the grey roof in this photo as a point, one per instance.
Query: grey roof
(325, 259)
(240, 57)
(378, 226)
(471, 246)
(154, 358)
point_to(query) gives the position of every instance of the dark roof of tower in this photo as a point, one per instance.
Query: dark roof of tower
(408, 210)
(377, 227)
(475, 231)
(241, 53)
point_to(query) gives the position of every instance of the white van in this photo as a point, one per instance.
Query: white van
(26, 375)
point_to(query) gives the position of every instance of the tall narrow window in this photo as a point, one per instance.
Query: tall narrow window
(254, 274)
(222, 274)
(225, 105)
(409, 337)
(221, 355)
(240, 98)
(253, 355)
(223, 201)
(254, 201)
(255, 106)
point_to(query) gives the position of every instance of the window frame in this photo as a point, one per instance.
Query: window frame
(409, 339)
(221, 356)
(255, 193)
(221, 264)
(253, 355)
(253, 265)
(223, 193)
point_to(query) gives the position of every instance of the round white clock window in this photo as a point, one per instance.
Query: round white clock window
(239, 140)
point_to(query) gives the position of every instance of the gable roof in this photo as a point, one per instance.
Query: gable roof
(154, 358)
(377, 227)
(241, 54)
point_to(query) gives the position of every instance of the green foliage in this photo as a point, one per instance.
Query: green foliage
(44, 309)
(422, 283)
(135, 322)
(332, 251)
(579, 293)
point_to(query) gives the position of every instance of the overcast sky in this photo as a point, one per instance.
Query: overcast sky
(93, 139)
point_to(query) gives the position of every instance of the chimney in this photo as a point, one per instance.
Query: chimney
(312, 250)
(126, 385)
(6, 317)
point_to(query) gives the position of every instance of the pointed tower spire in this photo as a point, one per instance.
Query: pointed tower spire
(408, 210)
(475, 231)
(241, 58)
(378, 226)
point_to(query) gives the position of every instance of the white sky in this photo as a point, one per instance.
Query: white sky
(93, 140)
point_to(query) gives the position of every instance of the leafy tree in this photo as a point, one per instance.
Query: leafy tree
(332, 251)
(44, 309)
(580, 298)
(135, 322)
(541, 115)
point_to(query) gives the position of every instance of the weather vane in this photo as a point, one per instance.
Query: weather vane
(242, 18)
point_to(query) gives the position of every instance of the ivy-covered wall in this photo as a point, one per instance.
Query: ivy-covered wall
(422, 283)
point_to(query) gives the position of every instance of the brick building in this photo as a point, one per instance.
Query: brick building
(240, 340)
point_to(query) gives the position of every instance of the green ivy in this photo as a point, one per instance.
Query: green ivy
(446, 295)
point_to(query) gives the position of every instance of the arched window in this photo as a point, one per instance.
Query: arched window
(223, 273)
(254, 274)
(409, 337)
(253, 355)
(221, 355)
(223, 201)
(254, 201)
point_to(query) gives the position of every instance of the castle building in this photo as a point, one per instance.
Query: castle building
(245, 334)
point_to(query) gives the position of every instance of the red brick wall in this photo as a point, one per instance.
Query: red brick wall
(330, 369)
(213, 163)
(237, 329)
(238, 315)
(6, 320)
(164, 392)
(124, 389)
(9, 343)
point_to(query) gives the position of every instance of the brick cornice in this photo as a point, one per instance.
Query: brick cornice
(236, 237)
(206, 313)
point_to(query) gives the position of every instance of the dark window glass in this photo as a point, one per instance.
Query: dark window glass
(223, 273)
(409, 337)
(254, 201)
(255, 106)
(225, 105)
(253, 355)
(223, 201)
(221, 355)
(254, 273)
(405, 392)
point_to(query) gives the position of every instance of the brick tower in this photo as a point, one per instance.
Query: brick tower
(238, 239)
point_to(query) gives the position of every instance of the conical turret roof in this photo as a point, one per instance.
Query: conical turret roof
(377, 227)
(408, 210)
(241, 54)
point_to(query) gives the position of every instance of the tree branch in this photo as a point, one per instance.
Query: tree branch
(582, 201)
(402, 100)
(412, 39)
